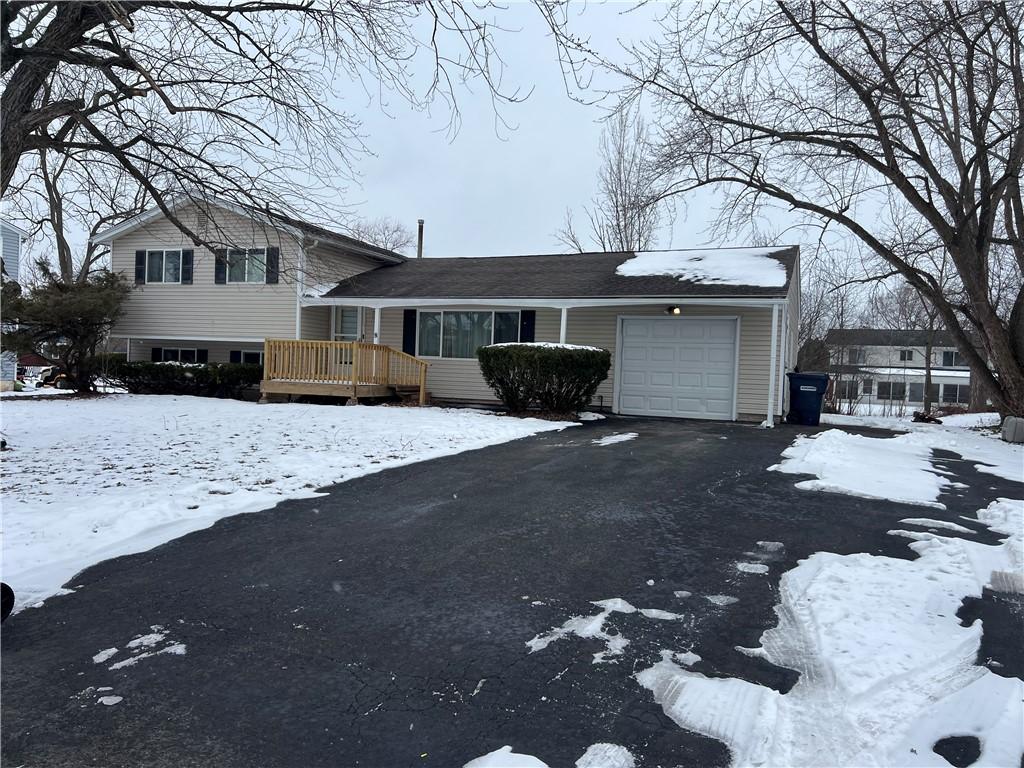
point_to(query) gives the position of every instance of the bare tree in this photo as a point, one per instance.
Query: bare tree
(384, 232)
(223, 99)
(861, 117)
(626, 211)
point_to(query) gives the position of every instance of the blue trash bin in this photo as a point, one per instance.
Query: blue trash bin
(806, 393)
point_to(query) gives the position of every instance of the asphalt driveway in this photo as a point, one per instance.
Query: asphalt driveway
(386, 623)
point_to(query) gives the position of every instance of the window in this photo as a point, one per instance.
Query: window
(247, 265)
(892, 390)
(346, 323)
(247, 356)
(855, 356)
(917, 393)
(956, 393)
(176, 355)
(460, 334)
(846, 390)
(906, 355)
(951, 358)
(868, 386)
(163, 266)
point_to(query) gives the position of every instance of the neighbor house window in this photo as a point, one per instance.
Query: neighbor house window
(917, 393)
(892, 390)
(855, 356)
(247, 356)
(951, 358)
(247, 265)
(846, 390)
(956, 393)
(346, 324)
(867, 386)
(163, 266)
(906, 355)
(460, 334)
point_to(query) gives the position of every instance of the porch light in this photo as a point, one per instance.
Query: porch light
(673, 310)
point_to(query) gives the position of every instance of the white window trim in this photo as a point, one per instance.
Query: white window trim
(334, 322)
(519, 329)
(245, 352)
(163, 267)
(248, 252)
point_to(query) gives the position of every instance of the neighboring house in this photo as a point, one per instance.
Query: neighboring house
(11, 238)
(703, 334)
(874, 365)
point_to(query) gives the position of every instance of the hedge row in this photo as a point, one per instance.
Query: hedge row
(202, 380)
(560, 381)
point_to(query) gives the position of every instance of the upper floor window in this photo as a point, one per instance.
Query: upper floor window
(856, 356)
(460, 334)
(906, 355)
(163, 266)
(951, 358)
(247, 265)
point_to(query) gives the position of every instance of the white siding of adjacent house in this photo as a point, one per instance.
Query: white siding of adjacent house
(455, 380)
(11, 250)
(206, 310)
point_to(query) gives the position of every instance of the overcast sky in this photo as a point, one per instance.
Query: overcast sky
(492, 191)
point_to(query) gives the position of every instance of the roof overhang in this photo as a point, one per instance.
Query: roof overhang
(551, 303)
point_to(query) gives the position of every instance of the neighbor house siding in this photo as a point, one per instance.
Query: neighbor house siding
(596, 326)
(11, 245)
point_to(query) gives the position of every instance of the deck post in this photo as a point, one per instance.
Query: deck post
(423, 385)
(354, 400)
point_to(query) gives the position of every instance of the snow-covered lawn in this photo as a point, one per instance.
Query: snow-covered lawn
(91, 479)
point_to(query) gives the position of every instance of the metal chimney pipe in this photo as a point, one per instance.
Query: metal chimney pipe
(419, 238)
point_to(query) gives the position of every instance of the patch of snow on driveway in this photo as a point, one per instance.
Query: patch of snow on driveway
(621, 437)
(886, 669)
(91, 479)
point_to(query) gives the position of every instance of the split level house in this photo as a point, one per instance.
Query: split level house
(701, 334)
(877, 365)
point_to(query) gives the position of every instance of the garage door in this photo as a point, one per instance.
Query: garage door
(683, 367)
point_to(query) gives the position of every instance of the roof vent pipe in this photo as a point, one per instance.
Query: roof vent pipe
(419, 238)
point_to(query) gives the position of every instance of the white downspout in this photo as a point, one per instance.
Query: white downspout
(769, 422)
(563, 326)
(783, 359)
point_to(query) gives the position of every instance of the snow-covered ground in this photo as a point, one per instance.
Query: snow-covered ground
(91, 479)
(886, 668)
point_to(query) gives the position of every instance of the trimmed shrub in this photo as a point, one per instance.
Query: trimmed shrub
(559, 380)
(201, 379)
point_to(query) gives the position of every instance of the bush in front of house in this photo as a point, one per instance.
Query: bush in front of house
(199, 379)
(558, 379)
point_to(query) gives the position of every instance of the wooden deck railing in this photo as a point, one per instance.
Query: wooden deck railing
(343, 362)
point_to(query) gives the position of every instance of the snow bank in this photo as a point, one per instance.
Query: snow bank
(87, 480)
(722, 266)
(885, 667)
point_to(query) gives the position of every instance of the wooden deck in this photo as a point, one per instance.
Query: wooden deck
(350, 369)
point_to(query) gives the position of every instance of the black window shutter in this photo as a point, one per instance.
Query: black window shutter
(140, 267)
(273, 265)
(220, 266)
(527, 322)
(235, 356)
(186, 267)
(156, 354)
(409, 331)
(202, 356)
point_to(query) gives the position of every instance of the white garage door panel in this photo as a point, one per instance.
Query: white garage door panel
(678, 367)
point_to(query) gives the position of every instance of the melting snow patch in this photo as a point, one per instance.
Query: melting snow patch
(589, 627)
(136, 644)
(681, 593)
(722, 266)
(591, 416)
(109, 701)
(927, 522)
(606, 756)
(771, 546)
(721, 599)
(618, 438)
(885, 667)
(505, 758)
(752, 567)
(103, 655)
(657, 613)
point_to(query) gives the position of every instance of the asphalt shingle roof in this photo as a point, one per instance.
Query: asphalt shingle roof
(573, 275)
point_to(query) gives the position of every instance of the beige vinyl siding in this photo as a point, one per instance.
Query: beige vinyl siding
(597, 326)
(218, 351)
(207, 310)
(316, 323)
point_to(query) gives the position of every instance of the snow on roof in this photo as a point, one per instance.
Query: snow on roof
(724, 266)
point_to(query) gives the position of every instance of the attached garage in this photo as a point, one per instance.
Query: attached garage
(674, 366)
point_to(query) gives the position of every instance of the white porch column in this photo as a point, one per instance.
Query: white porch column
(376, 325)
(769, 422)
(562, 327)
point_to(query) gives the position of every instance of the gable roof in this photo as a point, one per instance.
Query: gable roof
(304, 229)
(885, 337)
(576, 275)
